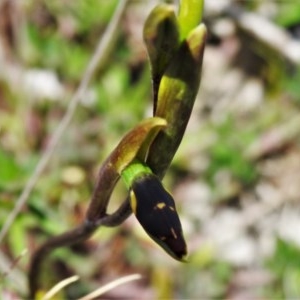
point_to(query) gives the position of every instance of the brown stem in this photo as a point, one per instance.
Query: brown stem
(79, 234)
(82, 232)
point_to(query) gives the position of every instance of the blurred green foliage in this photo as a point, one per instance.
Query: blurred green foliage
(10, 171)
(285, 265)
(48, 44)
(61, 36)
(292, 87)
(228, 152)
(288, 14)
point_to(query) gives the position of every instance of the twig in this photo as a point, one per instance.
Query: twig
(79, 234)
(274, 139)
(267, 32)
(111, 286)
(59, 286)
(76, 235)
(97, 59)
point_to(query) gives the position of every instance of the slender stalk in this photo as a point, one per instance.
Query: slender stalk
(82, 232)
(79, 234)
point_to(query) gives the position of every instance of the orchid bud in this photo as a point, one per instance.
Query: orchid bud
(155, 209)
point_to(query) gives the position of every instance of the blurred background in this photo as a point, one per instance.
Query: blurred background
(235, 177)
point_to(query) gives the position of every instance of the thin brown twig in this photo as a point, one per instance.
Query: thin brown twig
(96, 60)
(79, 234)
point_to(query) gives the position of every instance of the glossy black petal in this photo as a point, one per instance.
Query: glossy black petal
(155, 209)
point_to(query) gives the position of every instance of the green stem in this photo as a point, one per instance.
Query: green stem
(190, 15)
(134, 170)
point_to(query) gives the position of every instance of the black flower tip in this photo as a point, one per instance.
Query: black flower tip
(155, 209)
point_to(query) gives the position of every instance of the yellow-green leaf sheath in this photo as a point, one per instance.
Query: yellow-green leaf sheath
(177, 93)
(161, 37)
(134, 145)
